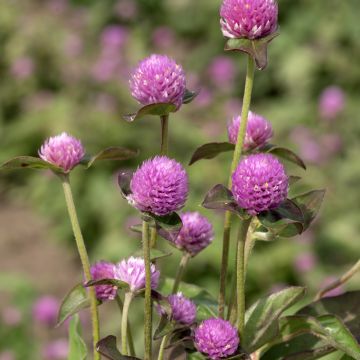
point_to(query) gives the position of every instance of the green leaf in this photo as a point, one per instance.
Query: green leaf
(114, 282)
(160, 109)
(155, 254)
(165, 327)
(76, 300)
(294, 179)
(111, 153)
(221, 198)
(107, 347)
(189, 96)
(167, 226)
(124, 179)
(28, 162)
(284, 153)
(261, 320)
(257, 48)
(195, 356)
(211, 150)
(77, 346)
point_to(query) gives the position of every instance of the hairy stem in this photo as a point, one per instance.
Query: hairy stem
(236, 157)
(183, 262)
(124, 323)
(162, 347)
(84, 260)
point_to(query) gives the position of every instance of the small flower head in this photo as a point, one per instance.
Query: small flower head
(158, 79)
(183, 309)
(104, 270)
(159, 186)
(258, 131)
(63, 151)
(250, 19)
(216, 338)
(56, 350)
(45, 310)
(332, 102)
(196, 233)
(260, 183)
(132, 271)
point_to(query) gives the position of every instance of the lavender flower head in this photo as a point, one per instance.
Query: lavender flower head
(331, 103)
(63, 151)
(196, 233)
(159, 186)
(259, 183)
(250, 19)
(158, 79)
(45, 310)
(132, 271)
(258, 131)
(56, 350)
(183, 309)
(216, 338)
(104, 270)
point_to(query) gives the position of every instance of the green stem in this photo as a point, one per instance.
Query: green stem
(183, 262)
(124, 322)
(84, 260)
(153, 237)
(164, 134)
(148, 303)
(236, 157)
(162, 347)
(240, 274)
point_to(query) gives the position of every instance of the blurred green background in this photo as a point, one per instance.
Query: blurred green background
(65, 65)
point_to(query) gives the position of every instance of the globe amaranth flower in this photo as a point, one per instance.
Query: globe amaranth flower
(183, 309)
(216, 338)
(158, 79)
(331, 103)
(250, 19)
(259, 183)
(63, 151)
(258, 131)
(196, 233)
(45, 310)
(104, 270)
(132, 271)
(159, 186)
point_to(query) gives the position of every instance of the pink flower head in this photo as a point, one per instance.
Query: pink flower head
(104, 270)
(163, 37)
(222, 71)
(158, 79)
(260, 183)
(63, 151)
(305, 262)
(258, 131)
(216, 338)
(159, 186)
(196, 233)
(22, 68)
(132, 271)
(45, 310)
(251, 19)
(114, 37)
(11, 316)
(183, 309)
(331, 103)
(56, 350)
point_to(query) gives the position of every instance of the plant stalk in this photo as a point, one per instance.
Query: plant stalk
(162, 347)
(84, 260)
(183, 262)
(236, 157)
(164, 134)
(124, 322)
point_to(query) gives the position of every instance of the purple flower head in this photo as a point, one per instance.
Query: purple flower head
(258, 131)
(183, 309)
(304, 262)
(114, 37)
(63, 151)
(331, 103)
(158, 79)
(11, 316)
(104, 270)
(251, 19)
(22, 68)
(222, 71)
(163, 37)
(216, 338)
(45, 310)
(56, 350)
(259, 183)
(195, 234)
(132, 271)
(159, 186)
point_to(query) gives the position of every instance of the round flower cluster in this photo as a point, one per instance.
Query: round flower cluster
(158, 79)
(258, 131)
(196, 233)
(63, 151)
(159, 186)
(259, 183)
(45, 310)
(332, 102)
(104, 270)
(251, 19)
(216, 338)
(183, 309)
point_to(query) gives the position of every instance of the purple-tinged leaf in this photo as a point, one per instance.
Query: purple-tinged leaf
(111, 153)
(284, 153)
(29, 162)
(210, 151)
(124, 180)
(107, 347)
(189, 96)
(160, 109)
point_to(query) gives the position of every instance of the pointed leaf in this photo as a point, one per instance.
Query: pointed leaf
(124, 180)
(77, 346)
(107, 347)
(28, 162)
(168, 226)
(155, 254)
(294, 179)
(261, 320)
(76, 300)
(114, 282)
(210, 150)
(165, 327)
(189, 96)
(285, 154)
(111, 153)
(160, 109)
